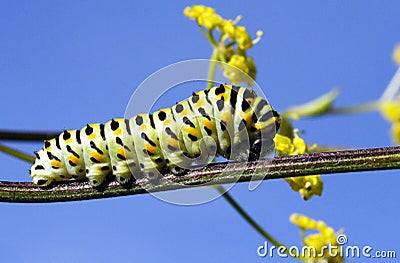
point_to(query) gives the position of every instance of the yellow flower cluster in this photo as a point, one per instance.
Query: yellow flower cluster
(396, 55)
(240, 66)
(391, 111)
(204, 15)
(325, 236)
(207, 17)
(307, 186)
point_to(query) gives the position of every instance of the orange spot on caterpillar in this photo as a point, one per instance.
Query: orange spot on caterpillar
(150, 148)
(73, 159)
(92, 136)
(117, 132)
(55, 163)
(247, 117)
(122, 152)
(96, 156)
(207, 124)
(173, 142)
(192, 131)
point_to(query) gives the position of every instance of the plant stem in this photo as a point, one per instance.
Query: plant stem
(26, 136)
(213, 174)
(212, 68)
(208, 35)
(16, 153)
(246, 216)
(249, 219)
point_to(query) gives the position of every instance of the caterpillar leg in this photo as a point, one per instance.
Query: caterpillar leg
(96, 180)
(123, 178)
(178, 171)
(261, 148)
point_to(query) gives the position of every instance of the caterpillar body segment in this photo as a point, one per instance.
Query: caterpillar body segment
(72, 152)
(122, 149)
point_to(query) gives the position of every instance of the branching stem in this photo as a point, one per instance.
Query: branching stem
(17, 153)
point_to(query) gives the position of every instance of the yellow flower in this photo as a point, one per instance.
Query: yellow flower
(325, 236)
(283, 144)
(240, 68)
(391, 111)
(231, 44)
(197, 10)
(243, 38)
(309, 185)
(209, 20)
(302, 221)
(228, 28)
(299, 143)
(237, 69)
(286, 146)
(396, 55)
(204, 15)
(239, 62)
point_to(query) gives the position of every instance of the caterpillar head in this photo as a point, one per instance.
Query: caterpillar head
(40, 172)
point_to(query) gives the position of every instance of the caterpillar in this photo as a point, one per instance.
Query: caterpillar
(230, 121)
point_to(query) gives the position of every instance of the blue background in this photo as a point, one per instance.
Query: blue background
(66, 63)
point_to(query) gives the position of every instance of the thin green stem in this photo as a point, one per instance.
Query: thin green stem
(213, 174)
(302, 235)
(221, 57)
(16, 153)
(212, 68)
(230, 44)
(246, 216)
(209, 36)
(249, 219)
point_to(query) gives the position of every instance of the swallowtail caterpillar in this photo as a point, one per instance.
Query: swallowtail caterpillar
(165, 141)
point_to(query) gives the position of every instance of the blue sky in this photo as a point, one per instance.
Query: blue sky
(65, 64)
